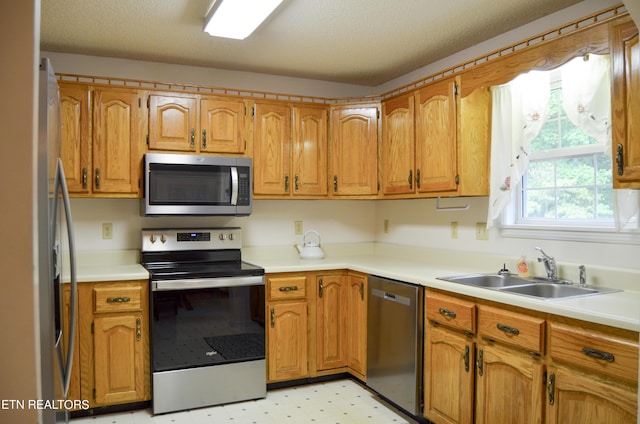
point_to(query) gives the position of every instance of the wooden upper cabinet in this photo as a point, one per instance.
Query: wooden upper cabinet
(625, 60)
(75, 137)
(272, 145)
(116, 141)
(398, 145)
(354, 150)
(436, 137)
(309, 155)
(222, 123)
(173, 123)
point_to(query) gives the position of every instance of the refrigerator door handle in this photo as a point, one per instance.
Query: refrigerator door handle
(66, 364)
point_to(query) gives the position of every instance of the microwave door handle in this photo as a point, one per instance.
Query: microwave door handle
(234, 185)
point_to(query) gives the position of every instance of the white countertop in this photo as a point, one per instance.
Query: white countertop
(417, 266)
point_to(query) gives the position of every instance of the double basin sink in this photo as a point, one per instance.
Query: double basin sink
(537, 287)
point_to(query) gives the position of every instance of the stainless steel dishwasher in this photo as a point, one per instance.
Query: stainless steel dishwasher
(395, 342)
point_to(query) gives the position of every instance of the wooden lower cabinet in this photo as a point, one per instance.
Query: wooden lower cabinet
(524, 366)
(287, 328)
(316, 324)
(287, 341)
(331, 321)
(449, 375)
(509, 386)
(575, 398)
(111, 362)
(357, 324)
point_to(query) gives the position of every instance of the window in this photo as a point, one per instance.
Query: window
(568, 180)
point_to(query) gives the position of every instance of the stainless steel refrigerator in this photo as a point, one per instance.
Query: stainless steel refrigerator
(56, 344)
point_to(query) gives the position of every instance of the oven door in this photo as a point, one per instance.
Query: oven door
(205, 322)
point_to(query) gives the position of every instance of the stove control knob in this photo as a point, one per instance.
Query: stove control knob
(152, 238)
(230, 236)
(163, 238)
(222, 236)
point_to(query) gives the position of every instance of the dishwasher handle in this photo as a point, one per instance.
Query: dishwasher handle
(392, 297)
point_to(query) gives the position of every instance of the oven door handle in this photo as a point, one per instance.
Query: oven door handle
(205, 283)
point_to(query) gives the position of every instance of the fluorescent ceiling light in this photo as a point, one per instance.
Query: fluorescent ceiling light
(237, 18)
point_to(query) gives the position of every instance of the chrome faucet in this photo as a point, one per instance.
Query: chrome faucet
(583, 275)
(549, 264)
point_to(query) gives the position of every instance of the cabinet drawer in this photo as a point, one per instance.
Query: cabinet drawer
(513, 328)
(450, 311)
(117, 299)
(596, 351)
(279, 288)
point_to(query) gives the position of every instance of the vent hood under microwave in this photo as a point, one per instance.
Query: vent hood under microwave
(182, 184)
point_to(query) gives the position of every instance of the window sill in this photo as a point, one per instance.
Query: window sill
(588, 235)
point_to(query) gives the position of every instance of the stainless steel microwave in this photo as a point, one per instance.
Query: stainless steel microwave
(180, 184)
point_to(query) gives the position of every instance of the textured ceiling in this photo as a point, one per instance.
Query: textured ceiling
(366, 42)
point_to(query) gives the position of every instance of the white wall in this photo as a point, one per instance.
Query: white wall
(270, 224)
(19, 354)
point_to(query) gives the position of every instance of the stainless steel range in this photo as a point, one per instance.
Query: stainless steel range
(207, 318)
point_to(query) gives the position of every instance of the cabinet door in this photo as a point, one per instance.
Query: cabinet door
(272, 147)
(398, 146)
(116, 141)
(74, 386)
(625, 58)
(354, 150)
(357, 324)
(222, 124)
(577, 398)
(287, 341)
(119, 358)
(436, 137)
(75, 138)
(331, 322)
(172, 123)
(309, 159)
(509, 387)
(448, 376)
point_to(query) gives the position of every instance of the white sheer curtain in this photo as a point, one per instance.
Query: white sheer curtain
(586, 97)
(520, 109)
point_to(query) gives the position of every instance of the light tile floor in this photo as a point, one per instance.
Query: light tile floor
(334, 402)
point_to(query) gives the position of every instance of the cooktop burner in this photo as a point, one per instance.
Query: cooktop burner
(195, 253)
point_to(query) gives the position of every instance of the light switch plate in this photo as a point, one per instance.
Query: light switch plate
(107, 231)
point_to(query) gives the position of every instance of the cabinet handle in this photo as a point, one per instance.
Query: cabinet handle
(288, 288)
(479, 363)
(273, 317)
(118, 299)
(286, 183)
(466, 358)
(85, 172)
(598, 354)
(447, 312)
(204, 139)
(507, 329)
(418, 179)
(335, 183)
(98, 178)
(138, 329)
(193, 138)
(296, 182)
(620, 159)
(411, 179)
(551, 388)
(320, 288)
(362, 290)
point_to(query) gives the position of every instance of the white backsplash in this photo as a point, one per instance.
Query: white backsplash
(411, 223)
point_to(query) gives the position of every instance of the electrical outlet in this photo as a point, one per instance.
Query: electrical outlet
(386, 226)
(298, 227)
(107, 231)
(454, 229)
(482, 233)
